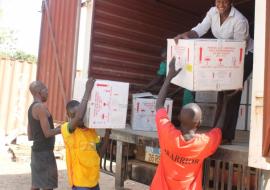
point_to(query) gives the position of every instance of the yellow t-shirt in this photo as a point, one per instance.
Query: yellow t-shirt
(81, 156)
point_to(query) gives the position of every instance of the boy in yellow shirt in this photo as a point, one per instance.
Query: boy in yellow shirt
(82, 145)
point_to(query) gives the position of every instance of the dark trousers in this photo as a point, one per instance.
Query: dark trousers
(231, 117)
(86, 188)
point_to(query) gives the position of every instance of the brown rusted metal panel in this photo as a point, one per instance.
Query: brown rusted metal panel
(266, 119)
(128, 37)
(57, 52)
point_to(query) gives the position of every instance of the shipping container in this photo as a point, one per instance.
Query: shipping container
(122, 39)
(56, 58)
(15, 97)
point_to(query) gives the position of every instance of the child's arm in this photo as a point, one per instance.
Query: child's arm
(83, 105)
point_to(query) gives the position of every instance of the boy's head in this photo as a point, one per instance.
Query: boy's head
(190, 116)
(72, 108)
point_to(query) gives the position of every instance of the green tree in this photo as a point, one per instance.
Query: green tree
(8, 42)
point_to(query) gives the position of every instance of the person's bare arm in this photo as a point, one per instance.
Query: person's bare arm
(164, 89)
(83, 105)
(153, 83)
(104, 144)
(42, 115)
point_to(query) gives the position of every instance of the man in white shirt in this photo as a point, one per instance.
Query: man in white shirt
(226, 22)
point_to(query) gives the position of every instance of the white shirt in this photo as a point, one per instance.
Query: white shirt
(235, 27)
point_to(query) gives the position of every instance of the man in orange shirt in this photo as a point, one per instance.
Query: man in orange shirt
(182, 149)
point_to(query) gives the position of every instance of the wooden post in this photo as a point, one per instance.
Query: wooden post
(119, 181)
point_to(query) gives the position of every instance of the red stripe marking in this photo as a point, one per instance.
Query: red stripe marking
(241, 55)
(102, 85)
(200, 55)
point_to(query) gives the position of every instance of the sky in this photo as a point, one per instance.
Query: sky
(23, 16)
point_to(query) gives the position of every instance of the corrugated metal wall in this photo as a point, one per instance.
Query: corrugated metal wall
(128, 37)
(15, 97)
(57, 52)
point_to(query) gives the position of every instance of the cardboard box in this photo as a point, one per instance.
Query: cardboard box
(152, 154)
(249, 118)
(242, 118)
(107, 107)
(206, 97)
(208, 64)
(250, 91)
(208, 114)
(247, 92)
(244, 93)
(144, 111)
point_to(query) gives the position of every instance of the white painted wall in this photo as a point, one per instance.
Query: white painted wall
(84, 42)
(256, 132)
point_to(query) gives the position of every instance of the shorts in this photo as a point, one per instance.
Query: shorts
(44, 170)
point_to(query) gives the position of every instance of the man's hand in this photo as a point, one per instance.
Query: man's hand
(163, 91)
(187, 35)
(172, 71)
(181, 36)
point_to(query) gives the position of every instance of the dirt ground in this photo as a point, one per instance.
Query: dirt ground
(16, 176)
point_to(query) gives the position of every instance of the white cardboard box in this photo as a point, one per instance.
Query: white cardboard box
(208, 114)
(243, 121)
(249, 118)
(206, 97)
(107, 107)
(144, 111)
(208, 64)
(246, 92)
(250, 91)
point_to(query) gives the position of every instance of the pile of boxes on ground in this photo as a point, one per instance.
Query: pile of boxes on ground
(208, 66)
